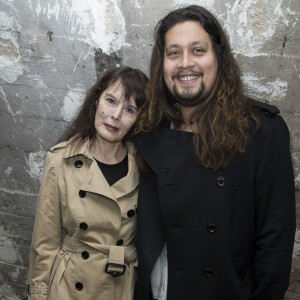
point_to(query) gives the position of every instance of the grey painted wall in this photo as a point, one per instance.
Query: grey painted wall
(51, 52)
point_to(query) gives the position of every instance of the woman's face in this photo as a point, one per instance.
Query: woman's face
(114, 115)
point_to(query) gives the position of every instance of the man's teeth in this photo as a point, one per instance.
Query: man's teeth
(186, 78)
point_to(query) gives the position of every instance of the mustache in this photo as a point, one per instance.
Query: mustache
(200, 74)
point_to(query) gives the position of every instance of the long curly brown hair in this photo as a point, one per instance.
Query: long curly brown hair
(223, 117)
(134, 83)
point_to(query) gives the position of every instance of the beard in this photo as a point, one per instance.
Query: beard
(188, 97)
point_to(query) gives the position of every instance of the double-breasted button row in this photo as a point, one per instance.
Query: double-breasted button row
(221, 181)
(78, 163)
(165, 169)
(208, 272)
(211, 227)
(120, 242)
(85, 255)
(78, 286)
(131, 213)
(83, 226)
(82, 194)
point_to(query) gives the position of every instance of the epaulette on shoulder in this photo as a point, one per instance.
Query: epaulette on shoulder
(59, 146)
(267, 109)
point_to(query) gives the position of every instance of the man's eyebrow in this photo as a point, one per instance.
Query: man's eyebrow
(204, 43)
(195, 43)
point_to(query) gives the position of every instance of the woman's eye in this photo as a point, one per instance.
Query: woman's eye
(110, 100)
(130, 110)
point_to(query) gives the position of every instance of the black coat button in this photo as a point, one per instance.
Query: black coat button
(165, 169)
(82, 193)
(119, 242)
(208, 272)
(78, 163)
(78, 286)
(220, 181)
(83, 226)
(85, 255)
(131, 213)
(211, 227)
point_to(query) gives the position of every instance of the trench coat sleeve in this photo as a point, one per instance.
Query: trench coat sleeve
(47, 232)
(275, 211)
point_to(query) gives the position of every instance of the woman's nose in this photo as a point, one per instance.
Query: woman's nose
(117, 113)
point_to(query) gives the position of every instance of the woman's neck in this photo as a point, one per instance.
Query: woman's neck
(106, 152)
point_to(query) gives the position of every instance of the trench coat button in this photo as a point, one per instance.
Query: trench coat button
(211, 227)
(82, 193)
(78, 286)
(119, 242)
(83, 226)
(220, 181)
(208, 272)
(131, 213)
(85, 255)
(78, 163)
(165, 169)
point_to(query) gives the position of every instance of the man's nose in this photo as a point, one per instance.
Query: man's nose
(187, 60)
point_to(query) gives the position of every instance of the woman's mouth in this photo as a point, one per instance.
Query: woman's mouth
(111, 127)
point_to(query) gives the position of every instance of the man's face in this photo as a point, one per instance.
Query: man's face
(190, 64)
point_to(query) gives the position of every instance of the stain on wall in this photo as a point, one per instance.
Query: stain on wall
(52, 51)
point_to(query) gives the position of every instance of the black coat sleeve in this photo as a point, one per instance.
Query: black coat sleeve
(274, 211)
(150, 236)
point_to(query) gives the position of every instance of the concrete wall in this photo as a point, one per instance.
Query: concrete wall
(51, 52)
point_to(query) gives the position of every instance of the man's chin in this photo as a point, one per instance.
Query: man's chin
(188, 98)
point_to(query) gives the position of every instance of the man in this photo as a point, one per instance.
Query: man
(216, 213)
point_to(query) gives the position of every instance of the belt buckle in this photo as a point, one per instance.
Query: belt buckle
(115, 273)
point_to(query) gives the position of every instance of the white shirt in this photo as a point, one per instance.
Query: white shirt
(159, 276)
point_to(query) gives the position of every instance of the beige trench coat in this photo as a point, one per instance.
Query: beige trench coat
(100, 226)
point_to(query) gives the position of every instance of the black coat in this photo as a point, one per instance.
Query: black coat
(229, 233)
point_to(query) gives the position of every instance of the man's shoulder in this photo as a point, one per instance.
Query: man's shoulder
(264, 108)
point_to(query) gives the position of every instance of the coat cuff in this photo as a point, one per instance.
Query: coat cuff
(38, 291)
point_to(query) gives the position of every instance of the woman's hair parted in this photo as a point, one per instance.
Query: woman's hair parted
(223, 118)
(134, 83)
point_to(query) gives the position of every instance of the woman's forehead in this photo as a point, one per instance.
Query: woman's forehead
(117, 90)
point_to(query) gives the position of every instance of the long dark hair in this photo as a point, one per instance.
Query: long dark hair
(223, 118)
(82, 127)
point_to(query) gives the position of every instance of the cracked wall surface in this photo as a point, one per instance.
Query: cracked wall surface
(52, 51)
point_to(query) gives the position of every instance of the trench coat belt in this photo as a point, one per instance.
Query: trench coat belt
(117, 255)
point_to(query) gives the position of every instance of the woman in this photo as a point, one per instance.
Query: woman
(89, 189)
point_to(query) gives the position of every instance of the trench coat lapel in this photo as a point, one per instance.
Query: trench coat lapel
(96, 183)
(130, 182)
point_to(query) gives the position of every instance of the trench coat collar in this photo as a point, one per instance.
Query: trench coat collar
(95, 181)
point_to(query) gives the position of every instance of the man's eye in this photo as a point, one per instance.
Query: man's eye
(198, 50)
(173, 53)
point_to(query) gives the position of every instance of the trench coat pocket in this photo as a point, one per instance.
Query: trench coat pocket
(59, 267)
